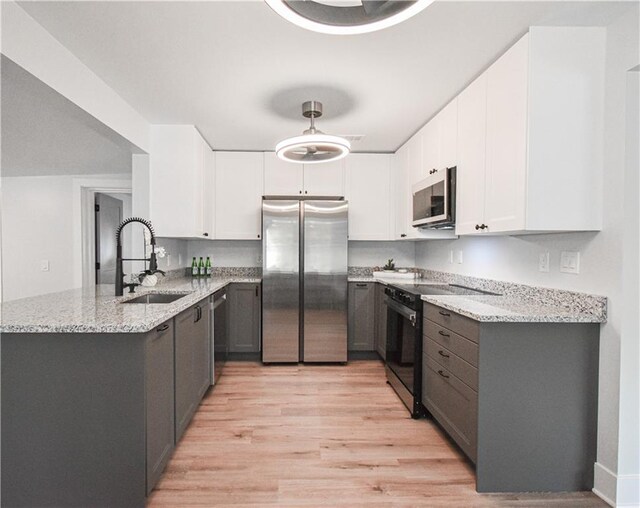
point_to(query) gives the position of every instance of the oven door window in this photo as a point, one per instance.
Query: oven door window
(401, 336)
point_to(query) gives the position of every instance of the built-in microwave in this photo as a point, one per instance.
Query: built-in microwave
(434, 200)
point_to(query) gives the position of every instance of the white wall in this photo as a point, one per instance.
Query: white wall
(40, 221)
(177, 254)
(377, 253)
(516, 258)
(248, 253)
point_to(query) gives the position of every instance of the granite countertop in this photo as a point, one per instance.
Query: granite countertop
(516, 309)
(97, 310)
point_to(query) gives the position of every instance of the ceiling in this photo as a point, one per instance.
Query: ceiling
(239, 72)
(44, 134)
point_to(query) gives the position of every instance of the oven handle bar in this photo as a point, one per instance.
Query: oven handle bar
(411, 315)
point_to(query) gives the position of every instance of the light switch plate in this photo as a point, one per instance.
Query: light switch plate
(44, 265)
(168, 257)
(459, 258)
(570, 262)
(543, 263)
(451, 256)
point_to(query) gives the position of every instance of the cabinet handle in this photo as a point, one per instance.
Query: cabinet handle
(484, 226)
(443, 334)
(443, 313)
(205, 234)
(198, 314)
(305, 192)
(443, 354)
(403, 235)
(361, 285)
(162, 328)
(477, 227)
(443, 374)
(299, 192)
(258, 236)
(256, 291)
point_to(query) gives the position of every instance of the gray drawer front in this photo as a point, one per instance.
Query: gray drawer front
(455, 322)
(452, 403)
(457, 366)
(461, 346)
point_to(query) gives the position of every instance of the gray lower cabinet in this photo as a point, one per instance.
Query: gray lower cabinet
(520, 399)
(159, 401)
(243, 301)
(362, 308)
(380, 321)
(191, 363)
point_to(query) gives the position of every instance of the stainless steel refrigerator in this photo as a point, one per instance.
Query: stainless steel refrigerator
(304, 280)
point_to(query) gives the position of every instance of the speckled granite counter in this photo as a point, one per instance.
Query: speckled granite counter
(97, 310)
(512, 309)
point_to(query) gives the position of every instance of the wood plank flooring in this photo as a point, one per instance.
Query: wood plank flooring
(321, 436)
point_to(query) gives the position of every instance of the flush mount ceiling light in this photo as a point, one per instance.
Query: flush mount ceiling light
(313, 146)
(347, 17)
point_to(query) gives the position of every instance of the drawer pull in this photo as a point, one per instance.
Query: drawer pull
(443, 354)
(361, 285)
(443, 374)
(162, 328)
(443, 313)
(443, 334)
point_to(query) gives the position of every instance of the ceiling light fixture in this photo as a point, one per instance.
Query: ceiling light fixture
(347, 17)
(313, 146)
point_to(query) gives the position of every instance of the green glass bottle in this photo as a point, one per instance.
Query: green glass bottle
(207, 266)
(201, 267)
(194, 267)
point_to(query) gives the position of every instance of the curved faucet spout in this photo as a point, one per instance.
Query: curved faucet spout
(153, 262)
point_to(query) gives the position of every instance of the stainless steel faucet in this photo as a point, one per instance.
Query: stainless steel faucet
(153, 262)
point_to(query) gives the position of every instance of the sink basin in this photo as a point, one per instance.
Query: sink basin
(155, 298)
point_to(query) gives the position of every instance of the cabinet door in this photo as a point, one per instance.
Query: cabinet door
(369, 196)
(191, 332)
(244, 318)
(281, 178)
(326, 179)
(202, 353)
(159, 401)
(361, 316)
(401, 192)
(175, 174)
(208, 192)
(507, 140)
(430, 149)
(447, 121)
(381, 321)
(239, 186)
(472, 131)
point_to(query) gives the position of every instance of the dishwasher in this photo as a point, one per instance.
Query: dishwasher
(219, 341)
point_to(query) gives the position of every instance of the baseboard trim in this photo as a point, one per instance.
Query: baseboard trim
(604, 484)
(616, 490)
(628, 491)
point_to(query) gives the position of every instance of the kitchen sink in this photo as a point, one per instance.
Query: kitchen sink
(156, 298)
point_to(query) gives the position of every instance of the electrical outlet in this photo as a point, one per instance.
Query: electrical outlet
(451, 256)
(543, 262)
(44, 265)
(168, 258)
(179, 259)
(459, 258)
(570, 262)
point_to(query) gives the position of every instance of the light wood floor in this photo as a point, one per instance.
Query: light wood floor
(321, 436)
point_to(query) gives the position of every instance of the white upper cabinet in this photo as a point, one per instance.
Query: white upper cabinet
(282, 178)
(447, 121)
(506, 151)
(325, 179)
(400, 170)
(238, 195)
(369, 194)
(470, 174)
(439, 141)
(542, 159)
(179, 167)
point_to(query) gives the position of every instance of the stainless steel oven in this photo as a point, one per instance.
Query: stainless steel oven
(434, 200)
